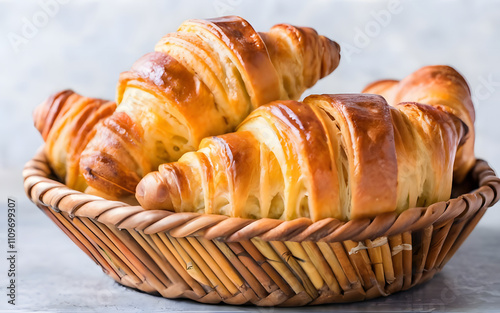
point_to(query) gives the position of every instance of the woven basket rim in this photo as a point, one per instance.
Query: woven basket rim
(45, 191)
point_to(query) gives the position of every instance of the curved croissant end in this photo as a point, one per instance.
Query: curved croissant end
(300, 56)
(341, 156)
(439, 86)
(67, 122)
(202, 80)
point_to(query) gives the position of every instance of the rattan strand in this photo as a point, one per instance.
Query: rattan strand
(213, 258)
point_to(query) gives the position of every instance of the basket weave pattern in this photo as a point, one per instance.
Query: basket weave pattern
(266, 262)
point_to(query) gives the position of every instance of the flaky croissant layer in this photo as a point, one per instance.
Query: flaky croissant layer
(341, 156)
(202, 80)
(67, 122)
(442, 86)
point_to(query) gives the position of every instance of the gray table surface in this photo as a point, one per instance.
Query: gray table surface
(85, 44)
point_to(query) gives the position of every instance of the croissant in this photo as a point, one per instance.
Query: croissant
(67, 122)
(439, 86)
(341, 156)
(202, 80)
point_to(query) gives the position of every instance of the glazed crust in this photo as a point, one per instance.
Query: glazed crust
(342, 156)
(67, 122)
(368, 140)
(439, 86)
(202, 80)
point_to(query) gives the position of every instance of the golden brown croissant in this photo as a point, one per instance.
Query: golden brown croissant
(342, 156)
(202, 80)
(67, 122)
(438, 86)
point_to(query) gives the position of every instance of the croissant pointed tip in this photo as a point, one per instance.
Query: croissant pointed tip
(139, 191)
(331, 56)
(152, 194)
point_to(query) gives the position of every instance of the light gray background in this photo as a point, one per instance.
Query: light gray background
(84, 45)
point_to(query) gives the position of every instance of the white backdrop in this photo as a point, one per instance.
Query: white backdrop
(49, 45)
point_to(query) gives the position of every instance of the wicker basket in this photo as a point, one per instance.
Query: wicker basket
(213, 258)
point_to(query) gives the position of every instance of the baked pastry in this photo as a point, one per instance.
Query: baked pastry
(441, 86)
(67, 122)
(202, 80)
(342, 156)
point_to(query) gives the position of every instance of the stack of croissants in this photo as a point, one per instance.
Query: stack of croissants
(209, 122)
